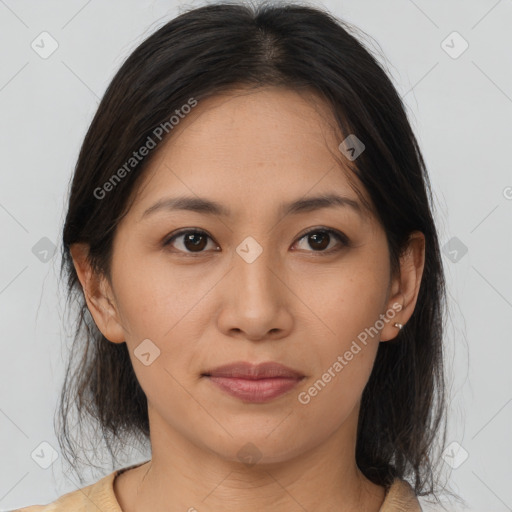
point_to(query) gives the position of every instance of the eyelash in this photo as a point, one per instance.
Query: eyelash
(341, 237)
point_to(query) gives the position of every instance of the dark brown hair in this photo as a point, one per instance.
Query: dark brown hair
(214, 49)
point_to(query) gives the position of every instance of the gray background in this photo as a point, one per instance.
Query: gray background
(460, 107)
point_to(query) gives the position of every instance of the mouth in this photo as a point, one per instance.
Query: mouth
(248, 371)
(254, 383)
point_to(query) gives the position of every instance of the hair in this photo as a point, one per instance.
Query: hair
(212, 50)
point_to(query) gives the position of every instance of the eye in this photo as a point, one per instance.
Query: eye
(190, 241)
(320, 238)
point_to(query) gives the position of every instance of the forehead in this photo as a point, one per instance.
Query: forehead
(257, 126)
(250, 149)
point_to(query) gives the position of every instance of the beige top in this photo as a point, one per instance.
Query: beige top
(100, 497)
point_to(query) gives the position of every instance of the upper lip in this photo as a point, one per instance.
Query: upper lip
(245, 370)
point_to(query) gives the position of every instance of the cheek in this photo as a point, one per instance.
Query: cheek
(346, 306)
(155, 299)
(343, 365)
(154, 309)
(346, 351)
(334, 390)
(166, 306)
(347, 299)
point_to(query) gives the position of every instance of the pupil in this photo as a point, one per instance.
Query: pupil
(193, 238)
(323, 236)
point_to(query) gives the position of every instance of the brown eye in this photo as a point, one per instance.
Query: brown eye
(191, 241)
(320, 239)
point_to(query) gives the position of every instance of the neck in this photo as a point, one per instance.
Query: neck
(183, 476)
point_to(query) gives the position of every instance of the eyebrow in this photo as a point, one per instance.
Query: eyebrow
(210, 207)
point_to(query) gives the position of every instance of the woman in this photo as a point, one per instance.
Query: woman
(250, 239)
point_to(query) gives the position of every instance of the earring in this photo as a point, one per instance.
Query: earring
(399, 326)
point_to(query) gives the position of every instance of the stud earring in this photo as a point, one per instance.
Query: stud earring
(399, 326)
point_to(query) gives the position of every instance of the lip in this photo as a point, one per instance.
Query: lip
(249, 371)
(254, 383)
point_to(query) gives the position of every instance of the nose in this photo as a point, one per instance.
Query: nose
(255, 300)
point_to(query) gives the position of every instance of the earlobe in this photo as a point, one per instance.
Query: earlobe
(97, 295)
(395, 317)
(406, 286)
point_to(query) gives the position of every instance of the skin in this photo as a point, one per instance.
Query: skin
(292, 305)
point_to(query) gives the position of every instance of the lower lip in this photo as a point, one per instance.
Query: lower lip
(257, 391)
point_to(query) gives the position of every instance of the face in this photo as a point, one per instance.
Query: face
(193, 289)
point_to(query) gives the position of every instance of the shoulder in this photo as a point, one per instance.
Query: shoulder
(99, 495)
(400, 497)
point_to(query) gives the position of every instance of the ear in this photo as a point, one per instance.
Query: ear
(98, 295)
(405, 287)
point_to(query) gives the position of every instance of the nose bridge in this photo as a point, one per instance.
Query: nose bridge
(252, 301)
(255, 268)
